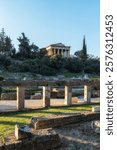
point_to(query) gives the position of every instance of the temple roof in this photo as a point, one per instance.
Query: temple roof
(58, 45)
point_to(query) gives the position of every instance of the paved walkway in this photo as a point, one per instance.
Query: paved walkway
(34, 104)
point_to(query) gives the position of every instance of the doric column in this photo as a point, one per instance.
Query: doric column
(57, 51)
(20, 98)
(46, 96)
(87, 94)
(54, 51)
(68, 53)
(68, 95)
(62, 52)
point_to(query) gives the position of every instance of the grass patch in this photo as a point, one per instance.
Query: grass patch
(8, 121)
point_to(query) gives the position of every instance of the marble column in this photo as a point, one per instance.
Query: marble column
(68, 95)
(62, 52)
(46, 96)
(20, 98)
(87, 94)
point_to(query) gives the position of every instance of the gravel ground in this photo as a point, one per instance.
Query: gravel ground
(6, 106)
(80, 136)
(75, 137)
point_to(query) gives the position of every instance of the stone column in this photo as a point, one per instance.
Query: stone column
(62, 52)
(68, 95)
(57, 51)
(20, 98)
(68, 54)
(46, 96)
(87, 94)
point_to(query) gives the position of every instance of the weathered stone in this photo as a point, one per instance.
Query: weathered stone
(75, 100)
(36, 96)
(41, 122)
(19, 145)
(20, 97)
(22, 132)
(95, 125)
(8, 96)
(68, 95)
(29, 83)
(27, 144)
(9, 147)
(96, 109)
(47, 142)
(46, 96)
(95, 93)
(87, 94)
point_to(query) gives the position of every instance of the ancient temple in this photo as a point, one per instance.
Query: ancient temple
(58, 49)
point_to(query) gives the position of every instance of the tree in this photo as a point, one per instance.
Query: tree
(92, 65)
(82, 54)
(42, 52)
(2, 41)
(34, 50)
(84, 49)
(6, 46)
(24, 46)
(56, 62)
(25, 49)
(73, 65)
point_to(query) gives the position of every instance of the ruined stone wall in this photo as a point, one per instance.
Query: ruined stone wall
(37, 142)
(41, 123)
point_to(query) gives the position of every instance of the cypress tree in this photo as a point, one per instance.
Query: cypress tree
(84, 48)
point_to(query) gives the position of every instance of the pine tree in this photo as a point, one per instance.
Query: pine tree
(84, 48)
(2, 41)
(6, 45)
(24, 46)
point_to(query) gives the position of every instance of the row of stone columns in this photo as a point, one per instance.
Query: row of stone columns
(64, 53)
(46, 96)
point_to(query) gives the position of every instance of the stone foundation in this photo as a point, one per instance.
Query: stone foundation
(41, 123)
(37, 142)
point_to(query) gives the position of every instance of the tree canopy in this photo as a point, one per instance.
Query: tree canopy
(29, 58)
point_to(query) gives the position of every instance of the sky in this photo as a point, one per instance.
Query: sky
(47, 22)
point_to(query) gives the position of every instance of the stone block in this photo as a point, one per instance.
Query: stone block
(96, 109)
(46, 142)
(41, 123)
(8, 96)
(75, 100)
(22, 132)
(9, 146)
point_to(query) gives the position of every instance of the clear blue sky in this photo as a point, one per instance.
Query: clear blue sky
(52, 21)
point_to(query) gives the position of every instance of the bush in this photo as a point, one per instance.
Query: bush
(73, 65)
(45, 70)
(1, 78)
(5, 61)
